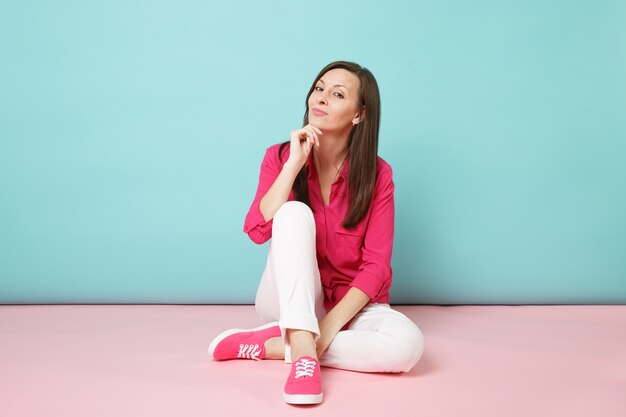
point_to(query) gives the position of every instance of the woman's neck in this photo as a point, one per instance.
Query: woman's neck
(331, 153)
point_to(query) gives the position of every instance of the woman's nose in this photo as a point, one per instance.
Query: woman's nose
(320, 97)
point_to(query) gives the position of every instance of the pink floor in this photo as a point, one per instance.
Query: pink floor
(149, 360)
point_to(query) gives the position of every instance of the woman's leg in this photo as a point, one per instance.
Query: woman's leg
(379, 339)
(290, 291)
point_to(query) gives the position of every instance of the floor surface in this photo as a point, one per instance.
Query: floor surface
(151, 360)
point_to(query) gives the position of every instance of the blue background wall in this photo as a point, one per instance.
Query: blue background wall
(131, 136)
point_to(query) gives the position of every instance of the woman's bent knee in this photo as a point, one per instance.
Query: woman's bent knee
(409, 350)
(292, 208)
(293, 216)
(415, 349)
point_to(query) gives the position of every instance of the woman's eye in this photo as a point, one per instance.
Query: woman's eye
(338, 94)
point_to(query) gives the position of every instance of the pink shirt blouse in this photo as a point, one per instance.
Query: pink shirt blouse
(359, 257)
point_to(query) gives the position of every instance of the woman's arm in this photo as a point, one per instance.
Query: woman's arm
(302, 140)
(375, 274)
(278, 193)
(342, 313)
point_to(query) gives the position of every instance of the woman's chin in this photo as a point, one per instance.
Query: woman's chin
(318, 123)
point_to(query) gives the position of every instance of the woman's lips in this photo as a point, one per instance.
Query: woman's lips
(318, 112)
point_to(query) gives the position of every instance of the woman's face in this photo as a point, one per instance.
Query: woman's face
(333, 104)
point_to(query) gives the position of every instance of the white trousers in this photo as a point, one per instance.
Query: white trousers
(379, 339)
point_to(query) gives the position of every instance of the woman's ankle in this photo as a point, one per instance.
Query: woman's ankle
(302, 343)
(274, 348)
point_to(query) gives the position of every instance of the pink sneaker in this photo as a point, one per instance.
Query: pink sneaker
(242, 343)
(304, 385)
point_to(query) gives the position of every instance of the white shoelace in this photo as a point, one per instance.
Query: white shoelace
(304, 367)
(249, 352)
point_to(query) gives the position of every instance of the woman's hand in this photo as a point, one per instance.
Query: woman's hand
(350, 305)
(302, 141)
(328, 331)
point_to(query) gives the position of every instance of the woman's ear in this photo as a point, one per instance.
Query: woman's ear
(359, 117)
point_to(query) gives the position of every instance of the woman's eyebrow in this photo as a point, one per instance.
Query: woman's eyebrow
(336, 85)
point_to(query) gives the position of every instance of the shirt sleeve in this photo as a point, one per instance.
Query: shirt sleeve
(374, 277)
(259, 230)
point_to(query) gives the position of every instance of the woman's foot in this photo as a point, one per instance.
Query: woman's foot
(243, 343)
(304, 384)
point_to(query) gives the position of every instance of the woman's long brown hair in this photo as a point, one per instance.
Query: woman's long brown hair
(362, 146)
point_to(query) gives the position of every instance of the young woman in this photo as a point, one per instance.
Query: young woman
(326, 200)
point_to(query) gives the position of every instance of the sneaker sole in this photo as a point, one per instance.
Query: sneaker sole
(227, 333)
(303, 399)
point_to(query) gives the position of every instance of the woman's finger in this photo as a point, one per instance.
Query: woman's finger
(311, 129)
(317, 129)
(308, 145)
